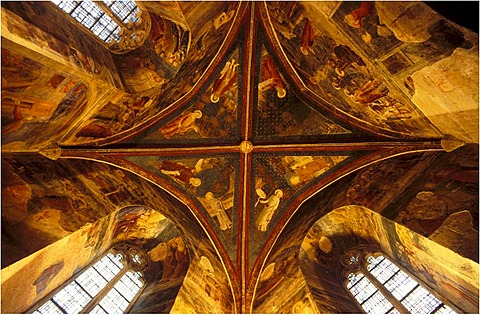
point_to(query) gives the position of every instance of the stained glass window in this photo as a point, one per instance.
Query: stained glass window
(400, 287)
(368, 296)
(109, 281)
(93, 16)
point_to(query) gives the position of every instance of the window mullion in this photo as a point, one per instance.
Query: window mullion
(73, 10)
(134, 300)
(373, 293)
(91, 305)
(410, 292)
(58, 305)
(437, 308)
(393, 275)
(84, 290)
(109, 12)
(396, 303)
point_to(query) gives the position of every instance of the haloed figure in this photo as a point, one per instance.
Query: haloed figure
(271, 204)
(218, 210)
(226, 80)
(181, 124)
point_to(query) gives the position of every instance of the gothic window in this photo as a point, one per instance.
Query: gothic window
(380, 287)
(118, 24)
(109, 286)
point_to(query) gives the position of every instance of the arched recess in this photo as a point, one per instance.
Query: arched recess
(388, 187)
(121, 27)
(327, 55)
(313, 269)
(439, 269)
(33, 278)
(76, 200)
(168, 85)
(39, 101)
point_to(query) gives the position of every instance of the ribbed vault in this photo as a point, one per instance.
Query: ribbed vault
(247, 131)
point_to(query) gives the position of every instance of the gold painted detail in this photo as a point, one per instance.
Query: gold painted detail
(51, 151)
(246, 146)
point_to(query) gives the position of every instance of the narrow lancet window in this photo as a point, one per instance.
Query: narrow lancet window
(380, 287)
(106, 287)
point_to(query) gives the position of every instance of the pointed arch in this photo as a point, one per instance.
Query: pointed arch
(121, 26)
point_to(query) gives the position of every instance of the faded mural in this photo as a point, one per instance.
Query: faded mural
(278, 178)
(276, 281)
(73, 193)
(53, 265)
(38, 22)
(279, 112)
(38, 100)
(214, 114)
(328, 241)
(341, 74)
(210, 181)
(171, 47)
(405, 201)
(326, 73)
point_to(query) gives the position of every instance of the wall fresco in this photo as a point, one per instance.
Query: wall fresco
(372, 186)
(362, 58)
(337, 71)
(379, 28)
(207, 278)
(52, 266)
(214, 114)
(401, 174)
(448, 186)
(72, 194)
(158, 60)
(210, 180)
(38, 22)
(37, 98)
(168, 49)
(426, 259)
(213, 23)
(116, 115)
(279, 112)
(282, 273)
(279, 178)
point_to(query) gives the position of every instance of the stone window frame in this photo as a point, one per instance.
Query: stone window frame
(133, 261)
(357, 261)
(124, 31)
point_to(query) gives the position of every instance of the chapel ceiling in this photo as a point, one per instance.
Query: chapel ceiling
(242, 130)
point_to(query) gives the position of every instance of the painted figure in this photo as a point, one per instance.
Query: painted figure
(218, 210)
(17, 122)
(307, 37)
(372, 90)
(223, 18)
(226, 80)
(355, 17)
(180, 173)
(272, 78)
(208, 35)
(181, 124)
(271, 205)
(310, 170)
(345, 56)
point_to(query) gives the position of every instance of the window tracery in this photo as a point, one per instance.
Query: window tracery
(379, 286)
(109, 286)
(120, 25)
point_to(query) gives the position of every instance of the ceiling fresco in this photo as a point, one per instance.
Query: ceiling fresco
(223, 144)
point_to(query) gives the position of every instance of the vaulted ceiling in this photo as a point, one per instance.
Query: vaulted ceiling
(243, 124)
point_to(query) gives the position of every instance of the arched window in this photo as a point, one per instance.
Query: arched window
(118, 24)
(381, 287)
(109, 286)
